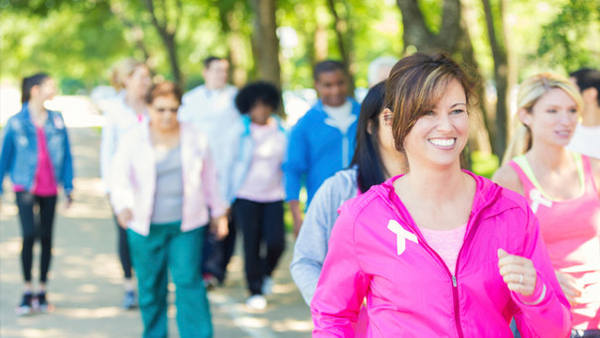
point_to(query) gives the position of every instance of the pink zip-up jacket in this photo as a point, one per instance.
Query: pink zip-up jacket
(133, 179)
(376, 250)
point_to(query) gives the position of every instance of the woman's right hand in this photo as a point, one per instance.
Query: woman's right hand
(124, 217)
(570, 287)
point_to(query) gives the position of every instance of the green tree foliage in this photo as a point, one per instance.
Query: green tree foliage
(572, 38)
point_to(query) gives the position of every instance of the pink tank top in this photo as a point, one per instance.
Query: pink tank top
(571, 231)
(44, 183)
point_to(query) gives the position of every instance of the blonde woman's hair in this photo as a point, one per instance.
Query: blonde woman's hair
(530, 91)
(122, 71)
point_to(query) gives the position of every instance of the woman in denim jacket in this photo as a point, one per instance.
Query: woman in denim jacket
(36, 153)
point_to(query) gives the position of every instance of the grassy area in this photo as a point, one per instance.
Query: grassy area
(484, 164)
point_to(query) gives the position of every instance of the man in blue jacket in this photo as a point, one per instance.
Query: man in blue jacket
(322, 142)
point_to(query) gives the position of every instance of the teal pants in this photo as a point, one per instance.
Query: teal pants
(167, 248)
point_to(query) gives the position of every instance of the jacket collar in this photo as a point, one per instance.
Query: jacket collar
(486, 194)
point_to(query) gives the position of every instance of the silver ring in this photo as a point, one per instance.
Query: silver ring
(520, 279)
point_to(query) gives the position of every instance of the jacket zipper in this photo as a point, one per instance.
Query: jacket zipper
(453, 278)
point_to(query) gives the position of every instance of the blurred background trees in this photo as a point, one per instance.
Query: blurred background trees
(77, 41)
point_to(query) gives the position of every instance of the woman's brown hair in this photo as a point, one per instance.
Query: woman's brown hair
(164, 89)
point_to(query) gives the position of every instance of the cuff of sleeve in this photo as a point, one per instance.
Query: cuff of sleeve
(218, 212)
(538, 295)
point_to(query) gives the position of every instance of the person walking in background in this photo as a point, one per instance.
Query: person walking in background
(37, 155)
(132, 80)
(258, 182)
(379, 69)
(211, 109)
(322, 141)
(586, 139)
(375, 160)
(561, 188)
(438, 250)
(163, 181)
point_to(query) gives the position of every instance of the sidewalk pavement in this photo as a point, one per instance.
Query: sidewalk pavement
(85, 282)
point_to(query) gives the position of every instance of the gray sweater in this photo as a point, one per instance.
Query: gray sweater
(312, 243)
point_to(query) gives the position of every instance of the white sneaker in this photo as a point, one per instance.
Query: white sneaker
(267, 285)
(256, 302)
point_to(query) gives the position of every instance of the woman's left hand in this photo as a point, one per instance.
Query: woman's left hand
(219, 227)
(518, 273)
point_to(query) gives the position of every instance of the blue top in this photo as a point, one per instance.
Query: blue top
(19, 150)
(317, 149)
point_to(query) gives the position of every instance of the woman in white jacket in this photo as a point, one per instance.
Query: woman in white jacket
(131, 79)
(163, 182)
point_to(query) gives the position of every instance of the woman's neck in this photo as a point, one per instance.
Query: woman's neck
(394, 164)
(37, 112)
(549, 158)
(432, 184)
(136, 103)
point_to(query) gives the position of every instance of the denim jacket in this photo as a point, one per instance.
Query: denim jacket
(19, 150)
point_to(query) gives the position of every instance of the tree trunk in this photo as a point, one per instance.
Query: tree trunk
(265, 41)
(497, 38)
(171, 45)
(342, 30)
(167, 34)
(417, 34)
(480, 135)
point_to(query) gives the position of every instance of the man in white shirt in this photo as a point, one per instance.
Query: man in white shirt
(210, 107)
(586, 139)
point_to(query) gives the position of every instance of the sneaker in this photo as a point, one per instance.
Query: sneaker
(267, 285)
(256, 302)
(210, 281)
(41, 303)
(129, 301)
(26, 306)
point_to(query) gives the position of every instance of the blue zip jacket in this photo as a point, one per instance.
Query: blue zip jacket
(19, 150)
(244, 158)
(317, 149)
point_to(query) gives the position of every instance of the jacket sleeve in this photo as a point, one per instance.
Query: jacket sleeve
(210, 184)
(546, 313)
(67, 174)
(7, 154)
(311, 245)
(108, 146)
(121, 185)
(342, 285)
(296, 163)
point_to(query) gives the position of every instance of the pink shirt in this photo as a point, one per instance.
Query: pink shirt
(264, 180)
(44, 182)
(571, 231)
(446, 243)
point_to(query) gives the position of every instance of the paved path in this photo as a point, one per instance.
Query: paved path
(85, 278)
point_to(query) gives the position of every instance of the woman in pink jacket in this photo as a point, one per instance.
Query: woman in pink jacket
(163, 180)
(562, 189)
(439, 251)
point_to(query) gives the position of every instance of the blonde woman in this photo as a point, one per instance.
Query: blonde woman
(131, 78)
(561, 188)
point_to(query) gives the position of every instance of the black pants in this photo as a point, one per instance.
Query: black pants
(123, 248)
(217, 254)
(260, 222)
(29, 207)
